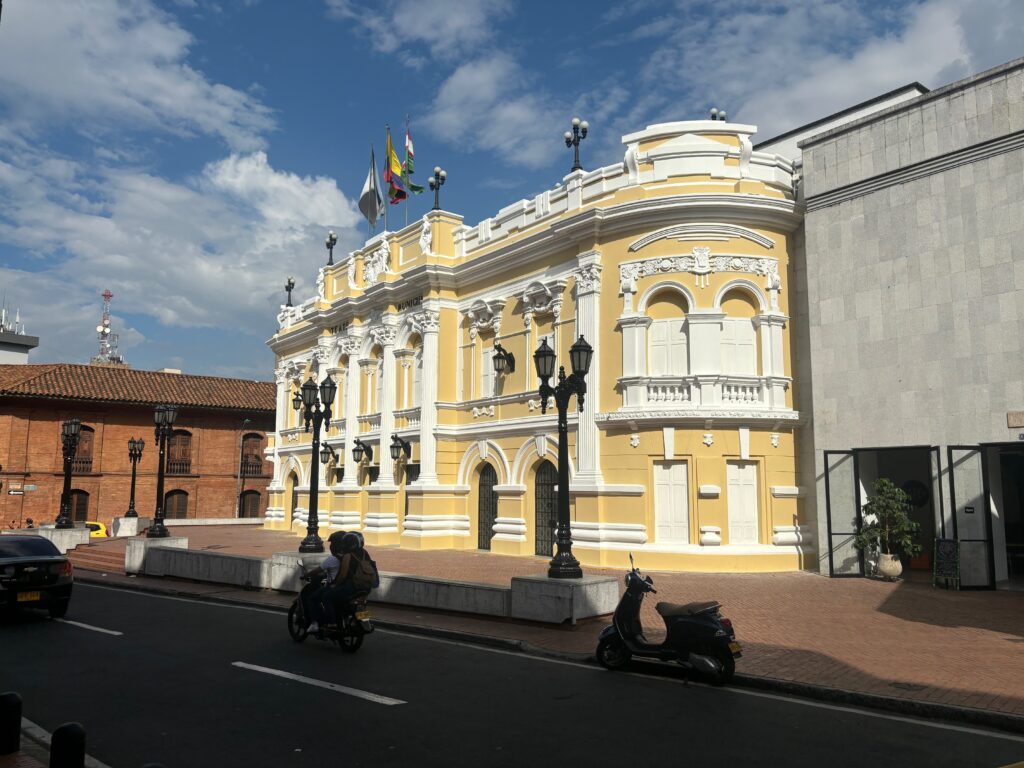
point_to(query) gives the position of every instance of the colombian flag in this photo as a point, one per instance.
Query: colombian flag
(393, 173)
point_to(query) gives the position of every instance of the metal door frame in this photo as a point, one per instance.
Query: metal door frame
(550, 532)
(492, 511)
(986, 493)
(828, 514)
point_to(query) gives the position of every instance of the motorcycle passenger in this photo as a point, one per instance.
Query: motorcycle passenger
(357, 573)
(327, 570)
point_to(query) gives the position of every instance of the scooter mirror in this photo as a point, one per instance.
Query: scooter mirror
(633, 567)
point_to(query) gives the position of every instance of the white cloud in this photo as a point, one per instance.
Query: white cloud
(107, 65)
(447, 29)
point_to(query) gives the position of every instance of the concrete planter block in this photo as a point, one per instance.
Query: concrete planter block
(64, 539)
(135, 553)
(239, 570)
(559, 600)
(467, 597)
(131, 526)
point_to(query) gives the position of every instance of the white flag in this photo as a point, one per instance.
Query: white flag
(370, 202)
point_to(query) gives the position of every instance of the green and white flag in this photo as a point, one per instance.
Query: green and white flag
(408, 166)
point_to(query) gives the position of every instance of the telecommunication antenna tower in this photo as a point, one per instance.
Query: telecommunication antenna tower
(108, 354)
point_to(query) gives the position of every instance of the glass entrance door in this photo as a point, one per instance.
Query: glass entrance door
(972, 522)
(842, 507)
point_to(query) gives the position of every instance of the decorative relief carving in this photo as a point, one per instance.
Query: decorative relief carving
(485, 315)
(543, 299)
(703, 231)
(350, 269)
(533, 405)
(588, 278)
(427, 321)
(699, 262)
(348, 345)
(709, 439)
(385, 335)
(426, 237)
(775, 439)
(634, 440)
(377, 262)
(484, 411)
(292, 437)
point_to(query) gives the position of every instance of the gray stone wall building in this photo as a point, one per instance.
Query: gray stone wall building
(910, 318)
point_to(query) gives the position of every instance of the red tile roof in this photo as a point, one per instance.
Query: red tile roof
(65, 381)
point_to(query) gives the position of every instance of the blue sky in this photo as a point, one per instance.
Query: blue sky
(190, 154)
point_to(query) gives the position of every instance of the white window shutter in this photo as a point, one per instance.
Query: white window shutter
(658, 355)
(678, 362)
(487, 372)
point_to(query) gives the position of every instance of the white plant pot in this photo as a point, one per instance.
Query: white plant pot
(889, 566)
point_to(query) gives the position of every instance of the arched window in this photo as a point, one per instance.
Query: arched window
(250, 504)
(79, 505)
(82, 463)
(252, 455)
(179, 453)
(668, 353)
(176, 505)
(739, 336)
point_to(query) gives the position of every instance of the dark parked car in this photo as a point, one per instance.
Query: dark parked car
(34, 574)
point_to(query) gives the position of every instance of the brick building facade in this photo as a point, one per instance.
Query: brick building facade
(215, 464)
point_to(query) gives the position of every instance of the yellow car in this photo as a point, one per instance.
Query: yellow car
(96, 530)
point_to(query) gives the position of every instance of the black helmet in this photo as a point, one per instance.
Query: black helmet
(335, 540)
(350, 542)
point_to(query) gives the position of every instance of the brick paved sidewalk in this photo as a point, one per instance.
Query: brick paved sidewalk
(903, 640)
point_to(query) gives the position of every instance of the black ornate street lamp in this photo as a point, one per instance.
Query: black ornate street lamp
(563, 565)
(318, 413)
(330, 242)
(436, 182)
(504, 362)
(289, 286)
(164, 417)
(400, 446)
(573, 139)
(134, 454)
(69, 434)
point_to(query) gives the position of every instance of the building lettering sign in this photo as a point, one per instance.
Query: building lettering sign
(339, 329)
(415, 303)
(1015, 419)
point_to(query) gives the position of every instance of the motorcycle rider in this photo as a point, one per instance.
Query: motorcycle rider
(327, 570)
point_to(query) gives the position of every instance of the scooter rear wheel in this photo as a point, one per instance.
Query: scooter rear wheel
(297, 627)
(350, 643)
(727, 664)
(612, 653)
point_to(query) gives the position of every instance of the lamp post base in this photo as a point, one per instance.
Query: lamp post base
(131, 512)
(564, 566)
(311, 544)
(63, 522)
(157, 531)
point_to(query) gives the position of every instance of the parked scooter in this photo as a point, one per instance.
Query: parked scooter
(353, 619)
(698, 637)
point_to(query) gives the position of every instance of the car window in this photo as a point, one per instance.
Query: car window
(92, 526)
(26, 546)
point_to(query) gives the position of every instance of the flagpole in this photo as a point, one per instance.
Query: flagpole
(408, 198)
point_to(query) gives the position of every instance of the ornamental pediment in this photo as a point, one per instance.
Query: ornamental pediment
(701, 263)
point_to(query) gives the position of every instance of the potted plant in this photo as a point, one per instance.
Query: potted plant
(886, 527)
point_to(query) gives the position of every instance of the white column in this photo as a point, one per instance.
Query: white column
(428, 324)
(385, 336)
(588, 293)
(352, 382)
(281, 413)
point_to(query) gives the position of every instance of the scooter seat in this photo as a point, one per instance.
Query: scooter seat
(688, 609)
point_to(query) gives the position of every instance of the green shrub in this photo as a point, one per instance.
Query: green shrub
(886, 525)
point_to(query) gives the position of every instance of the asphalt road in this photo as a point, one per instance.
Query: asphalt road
(179, 687)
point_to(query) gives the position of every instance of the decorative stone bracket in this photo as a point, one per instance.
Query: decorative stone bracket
(545, 298)
(485, 315)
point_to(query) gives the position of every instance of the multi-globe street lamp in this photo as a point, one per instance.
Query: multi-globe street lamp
(134, 455)
(563, 565)
(70, 431)
(330, 242)
(289, 286)
(573, 139)
(436, 182)
(315, 411)
(163, 417)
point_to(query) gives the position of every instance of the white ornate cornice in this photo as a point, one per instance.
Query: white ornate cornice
(668, 415)
(700, 231)
(485, 315)
(701, 263)
(543, 298)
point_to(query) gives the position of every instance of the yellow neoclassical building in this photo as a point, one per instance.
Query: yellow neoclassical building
(674, 264)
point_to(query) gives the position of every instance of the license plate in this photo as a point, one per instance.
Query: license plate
(28, 597)
(362, 615)
(735, 647)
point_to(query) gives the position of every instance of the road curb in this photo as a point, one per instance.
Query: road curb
(908, 707)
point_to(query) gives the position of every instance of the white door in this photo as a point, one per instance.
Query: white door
(671, 503)
(742, 477)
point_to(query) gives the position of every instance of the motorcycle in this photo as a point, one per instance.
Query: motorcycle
(697, 636)
(353, 619)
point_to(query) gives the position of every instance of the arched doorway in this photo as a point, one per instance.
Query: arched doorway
(545, 508)
(487, 506)
(176, 505)
(79, 506)
(293, 495)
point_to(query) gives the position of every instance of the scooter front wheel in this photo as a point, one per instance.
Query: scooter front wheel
(612, 653)
(297, 626)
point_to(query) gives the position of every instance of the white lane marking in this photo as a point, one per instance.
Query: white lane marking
(376, 698)
(41, 736)
(581, 665)
(89, 626)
